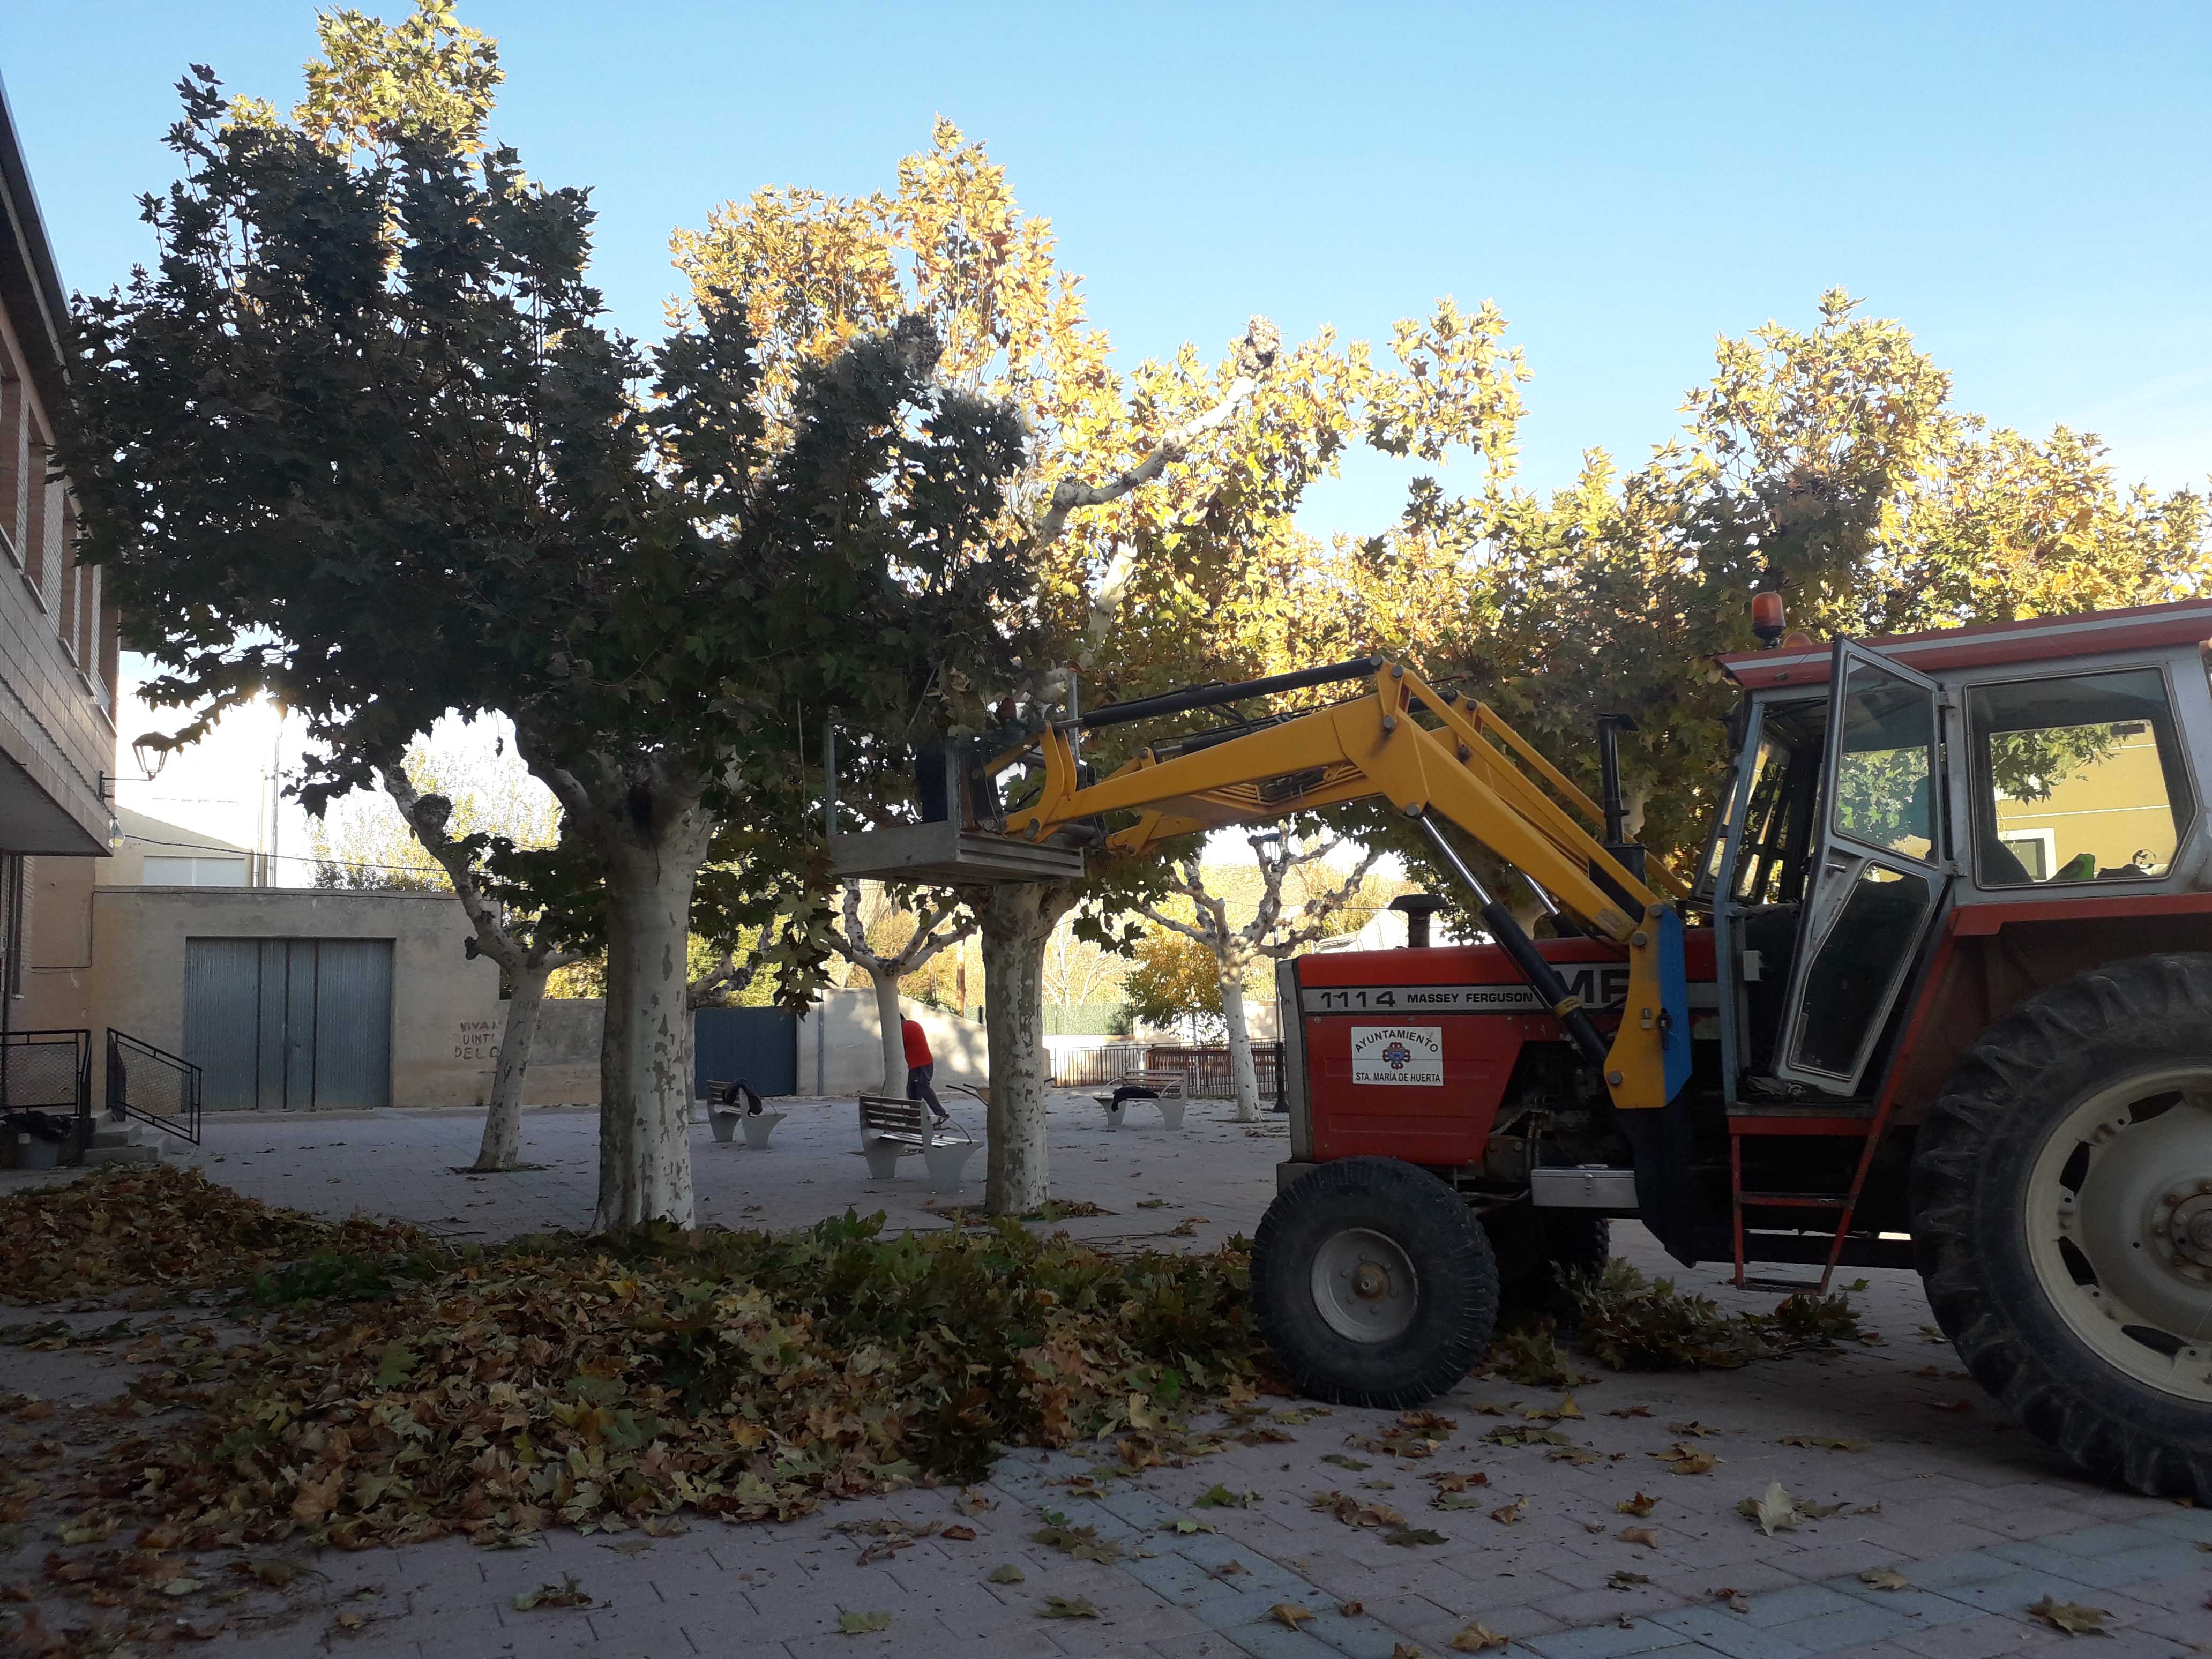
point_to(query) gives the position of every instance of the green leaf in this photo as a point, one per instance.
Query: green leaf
(1008, 1573)
(862, 1624)
(1413, 1536)
(1068, 1607)
(398, 1363)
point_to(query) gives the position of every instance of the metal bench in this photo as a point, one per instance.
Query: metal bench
(725, 1121)
(892, 1129)
(1172, 1088)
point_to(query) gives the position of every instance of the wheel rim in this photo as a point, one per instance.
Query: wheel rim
(1364, 1285)
(2120, 1218)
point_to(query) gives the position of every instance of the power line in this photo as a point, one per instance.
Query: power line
(287, 858)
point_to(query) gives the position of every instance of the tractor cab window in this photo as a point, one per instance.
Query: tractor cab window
(1779, 815)
(2075, 779)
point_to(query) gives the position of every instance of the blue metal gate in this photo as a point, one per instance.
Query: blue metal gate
(760, 1045)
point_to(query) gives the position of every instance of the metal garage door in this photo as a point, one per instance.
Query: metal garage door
(289, 1024)
(760, 1045)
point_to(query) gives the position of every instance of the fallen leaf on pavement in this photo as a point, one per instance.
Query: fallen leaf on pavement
(971, 1502)
(959, 1535)
(1694, 1429)
(1410, 1536)
(1642, 1535)
(1219, 1497)
(1511, 1514)
(1774, 1510)
(1290, 1614)
(1629, 1411)
(1684, 1460)
(1068, 1607)
(566, 1593)
(1821, 1443)
(1351, 1609)
(1885, 1578)
(1343, 1462)
(1353, 1511)
(1477, 1637)
(1640, 1506)
(1733, 1598)
(2071, 1617)
(1458, 1482)
(1230, 1569)
(1623, 1579)
(1404, 1650)
(1008, 1573)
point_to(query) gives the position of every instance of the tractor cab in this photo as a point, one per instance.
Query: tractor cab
(1889, 798)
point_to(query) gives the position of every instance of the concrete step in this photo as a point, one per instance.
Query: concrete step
(96, 1155)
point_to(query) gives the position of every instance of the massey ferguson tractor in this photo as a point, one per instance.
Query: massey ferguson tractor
(1937, 995)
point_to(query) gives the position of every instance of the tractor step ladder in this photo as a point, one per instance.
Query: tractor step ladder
(1842, 1120)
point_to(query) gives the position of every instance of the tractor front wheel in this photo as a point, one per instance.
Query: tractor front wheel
(2062, 1204)
(1374, 1284)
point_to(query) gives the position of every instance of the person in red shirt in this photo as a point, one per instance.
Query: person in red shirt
(920, 1066)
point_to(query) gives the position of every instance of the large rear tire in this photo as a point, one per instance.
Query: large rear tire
(1374, 1284)
(2062, 1206)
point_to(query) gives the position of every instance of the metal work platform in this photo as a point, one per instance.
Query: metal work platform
(942, 854)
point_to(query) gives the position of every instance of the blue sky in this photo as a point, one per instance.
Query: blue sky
(2024, 185)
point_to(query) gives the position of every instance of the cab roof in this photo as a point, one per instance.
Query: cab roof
(2040, 638)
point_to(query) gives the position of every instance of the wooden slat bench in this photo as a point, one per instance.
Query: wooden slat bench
(1169, 1086)
(892, 1129)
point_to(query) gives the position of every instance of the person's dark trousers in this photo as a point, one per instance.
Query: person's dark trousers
(917, 1088)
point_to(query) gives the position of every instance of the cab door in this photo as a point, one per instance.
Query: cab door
(1880, 872)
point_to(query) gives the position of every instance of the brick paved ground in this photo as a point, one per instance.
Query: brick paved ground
(1977, 1519)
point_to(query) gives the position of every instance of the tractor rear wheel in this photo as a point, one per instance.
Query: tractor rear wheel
(2062, 1206)
(1374, 1284)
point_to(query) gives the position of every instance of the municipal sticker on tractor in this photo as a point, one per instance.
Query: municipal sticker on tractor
(1395, 1054)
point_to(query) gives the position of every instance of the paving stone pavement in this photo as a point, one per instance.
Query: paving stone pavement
(1977, 1518)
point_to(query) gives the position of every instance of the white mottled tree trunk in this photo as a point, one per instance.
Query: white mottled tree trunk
(1017, 919)
(645, 1058)
(502, 1132)
(1243, 1077)
(889, 1016)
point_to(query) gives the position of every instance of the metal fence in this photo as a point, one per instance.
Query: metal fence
(1204, 1067)
(153, 1085)
(45, 1075)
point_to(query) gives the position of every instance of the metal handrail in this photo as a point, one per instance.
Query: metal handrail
(186, 1091)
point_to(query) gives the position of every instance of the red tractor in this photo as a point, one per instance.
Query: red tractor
(1938, 994)
(1950, 989)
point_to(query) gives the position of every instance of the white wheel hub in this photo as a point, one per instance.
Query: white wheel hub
(1364, 1285)
(2119, 1220)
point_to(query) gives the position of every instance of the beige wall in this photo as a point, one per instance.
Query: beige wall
(850, 1057)
(446, 1014)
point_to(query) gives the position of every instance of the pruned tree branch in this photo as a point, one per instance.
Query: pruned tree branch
(428, 816)
(1255, 353)
(850, 941)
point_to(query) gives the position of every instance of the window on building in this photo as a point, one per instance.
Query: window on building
(219, 870)
(2076, 779)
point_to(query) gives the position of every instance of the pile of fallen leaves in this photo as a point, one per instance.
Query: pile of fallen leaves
(158, 1230)
(1629, 1323)
(749, 1375)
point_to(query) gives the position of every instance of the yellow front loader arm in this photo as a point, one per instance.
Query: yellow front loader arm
(1470, 769)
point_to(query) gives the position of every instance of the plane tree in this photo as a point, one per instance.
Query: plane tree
(361, 440)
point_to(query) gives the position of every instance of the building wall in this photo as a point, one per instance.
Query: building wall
(840, 1050)
(446, 1014)
(58, 653)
